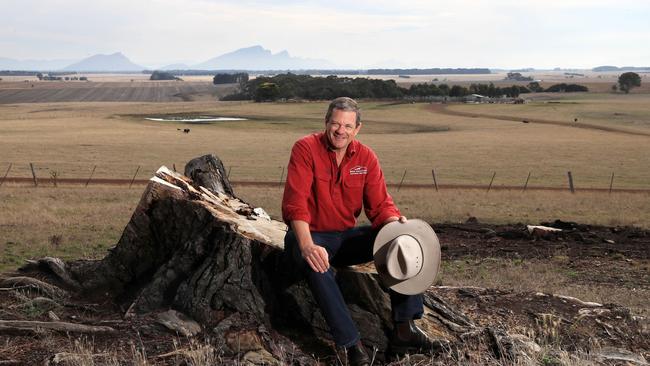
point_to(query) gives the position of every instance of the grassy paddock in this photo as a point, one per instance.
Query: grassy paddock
(74, 221)
(497, 207)
(71, 138)
(69, 222)
(78, 222)
(629, 112)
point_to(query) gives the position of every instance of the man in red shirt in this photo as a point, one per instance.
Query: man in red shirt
(330, 177)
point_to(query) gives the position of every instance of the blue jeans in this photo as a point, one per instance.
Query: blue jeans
(345, 248)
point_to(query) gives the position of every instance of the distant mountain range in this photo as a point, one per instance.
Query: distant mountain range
(114, 62)
(258, 58)
(255, 58)
(250, 58)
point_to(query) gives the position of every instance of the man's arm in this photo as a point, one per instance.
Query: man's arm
(294, 206)
(378, 204)
(315, 255)
(297, 187)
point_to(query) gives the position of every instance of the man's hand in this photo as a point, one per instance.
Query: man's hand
(401, 219)
(317, 257)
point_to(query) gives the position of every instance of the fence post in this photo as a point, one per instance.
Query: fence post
(435, 183)
(401, 181)
(571, 182)
(54, 174)
(282, 175)
(228, 175)
(5, 176)
(526, 184)
(491, 180)
(611, 183)
(33, 174)
(174, 166)
(91, 175)
(133, 179)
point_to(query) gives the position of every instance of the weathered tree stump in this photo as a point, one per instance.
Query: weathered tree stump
(220, 261)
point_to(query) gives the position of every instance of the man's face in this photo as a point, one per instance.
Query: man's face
(341, 129)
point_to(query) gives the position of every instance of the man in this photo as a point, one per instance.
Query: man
(330, 177)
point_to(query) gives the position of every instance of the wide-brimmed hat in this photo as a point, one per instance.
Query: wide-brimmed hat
(407, 256)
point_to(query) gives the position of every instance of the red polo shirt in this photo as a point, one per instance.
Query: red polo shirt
(330, 197)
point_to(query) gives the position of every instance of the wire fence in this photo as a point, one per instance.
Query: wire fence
(57, 173)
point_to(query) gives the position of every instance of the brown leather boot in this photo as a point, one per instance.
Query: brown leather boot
(408, 338)
(354, 355)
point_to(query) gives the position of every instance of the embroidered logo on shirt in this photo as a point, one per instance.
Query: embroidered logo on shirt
(358, 170)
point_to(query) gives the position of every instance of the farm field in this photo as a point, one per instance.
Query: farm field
(626, 113)
(465, 144)
(71, 138)
(102, 91)
(113, 140)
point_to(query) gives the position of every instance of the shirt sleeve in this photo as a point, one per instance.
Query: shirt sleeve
(377, 203)
(297, 188)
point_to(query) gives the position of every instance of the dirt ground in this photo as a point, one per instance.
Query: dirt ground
(577, 241)
(615, 256)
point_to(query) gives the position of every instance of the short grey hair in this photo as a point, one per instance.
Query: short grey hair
(344, 104)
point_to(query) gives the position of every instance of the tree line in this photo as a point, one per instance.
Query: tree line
(225, 78)
(291, 86)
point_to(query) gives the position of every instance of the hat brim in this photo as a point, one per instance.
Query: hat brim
(428, 240)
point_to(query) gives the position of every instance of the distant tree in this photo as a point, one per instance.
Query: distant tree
(566, 88)
(444, 89)
(513, 91)
(458, 91)
(267, 92)
(162, 75)
(518, 77)
(628, 80)
(615, 87)
(39, 76)
(424, 90)
(241, 78)
(535, 87)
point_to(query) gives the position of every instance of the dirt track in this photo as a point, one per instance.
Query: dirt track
(443, 108)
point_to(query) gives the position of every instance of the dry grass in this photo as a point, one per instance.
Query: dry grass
(71, 138)
(498, 207)
(70, 222)
(73, 221)
(552, 275)
(630, 112)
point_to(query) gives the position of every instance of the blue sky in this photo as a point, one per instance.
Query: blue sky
(362, 33)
